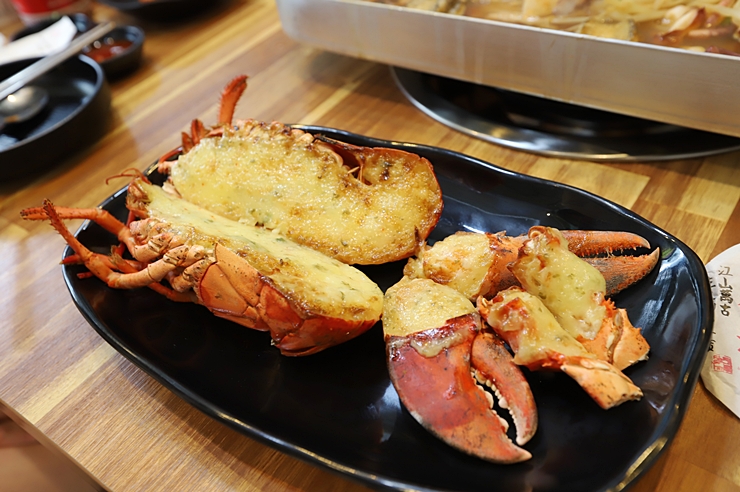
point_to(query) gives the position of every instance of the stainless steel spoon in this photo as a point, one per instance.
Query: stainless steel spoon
(22, 105)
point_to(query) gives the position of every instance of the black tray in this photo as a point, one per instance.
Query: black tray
(338, 408)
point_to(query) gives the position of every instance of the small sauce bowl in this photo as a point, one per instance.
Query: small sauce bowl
(119, 52)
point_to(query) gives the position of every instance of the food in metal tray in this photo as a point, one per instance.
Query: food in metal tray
(257, 278)
(448, 6)
(699, 25)
(361, 205)
(435, 338)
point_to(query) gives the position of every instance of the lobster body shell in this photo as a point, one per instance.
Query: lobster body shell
(232, 289)
(254, 277)
(259, 278)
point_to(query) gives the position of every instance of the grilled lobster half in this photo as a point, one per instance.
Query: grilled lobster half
(254, 277)
(361, 205)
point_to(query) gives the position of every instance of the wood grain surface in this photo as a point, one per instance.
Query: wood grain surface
(129, 432)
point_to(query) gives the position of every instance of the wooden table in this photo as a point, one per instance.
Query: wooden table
(79, 395)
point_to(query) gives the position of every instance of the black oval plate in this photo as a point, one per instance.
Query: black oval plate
(76, 116)
(338, 408)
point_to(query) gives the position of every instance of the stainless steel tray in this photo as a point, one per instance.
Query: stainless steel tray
(695, 90)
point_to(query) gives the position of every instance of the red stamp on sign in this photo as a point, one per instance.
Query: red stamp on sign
(722, 363)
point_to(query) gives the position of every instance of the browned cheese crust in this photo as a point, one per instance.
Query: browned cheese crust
(359, 205)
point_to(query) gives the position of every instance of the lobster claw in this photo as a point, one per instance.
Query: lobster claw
(525, 323)
(478, 264)
(434, 342)
(596, 247)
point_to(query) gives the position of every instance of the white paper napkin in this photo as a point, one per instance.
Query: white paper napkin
(721, 370)
(53, 39)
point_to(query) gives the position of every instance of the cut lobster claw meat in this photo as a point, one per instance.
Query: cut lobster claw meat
(477, 264)
(539, 342)
(574, 292)
(434, 341)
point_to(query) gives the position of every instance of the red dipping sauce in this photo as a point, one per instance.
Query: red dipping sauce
(108, 49)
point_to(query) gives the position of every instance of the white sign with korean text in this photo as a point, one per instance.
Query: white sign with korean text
(721, 371)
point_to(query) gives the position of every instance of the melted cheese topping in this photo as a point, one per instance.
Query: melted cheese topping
(530, 328)
(571, 288)
(303, 191)
(315, 282)
(460, 261)
(417, 305)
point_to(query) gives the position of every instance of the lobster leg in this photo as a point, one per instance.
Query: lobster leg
(115, 262)
(154, 247)
(229, 97)
(164, 164)
(153, 272)
(101, 217)
(433, 343)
